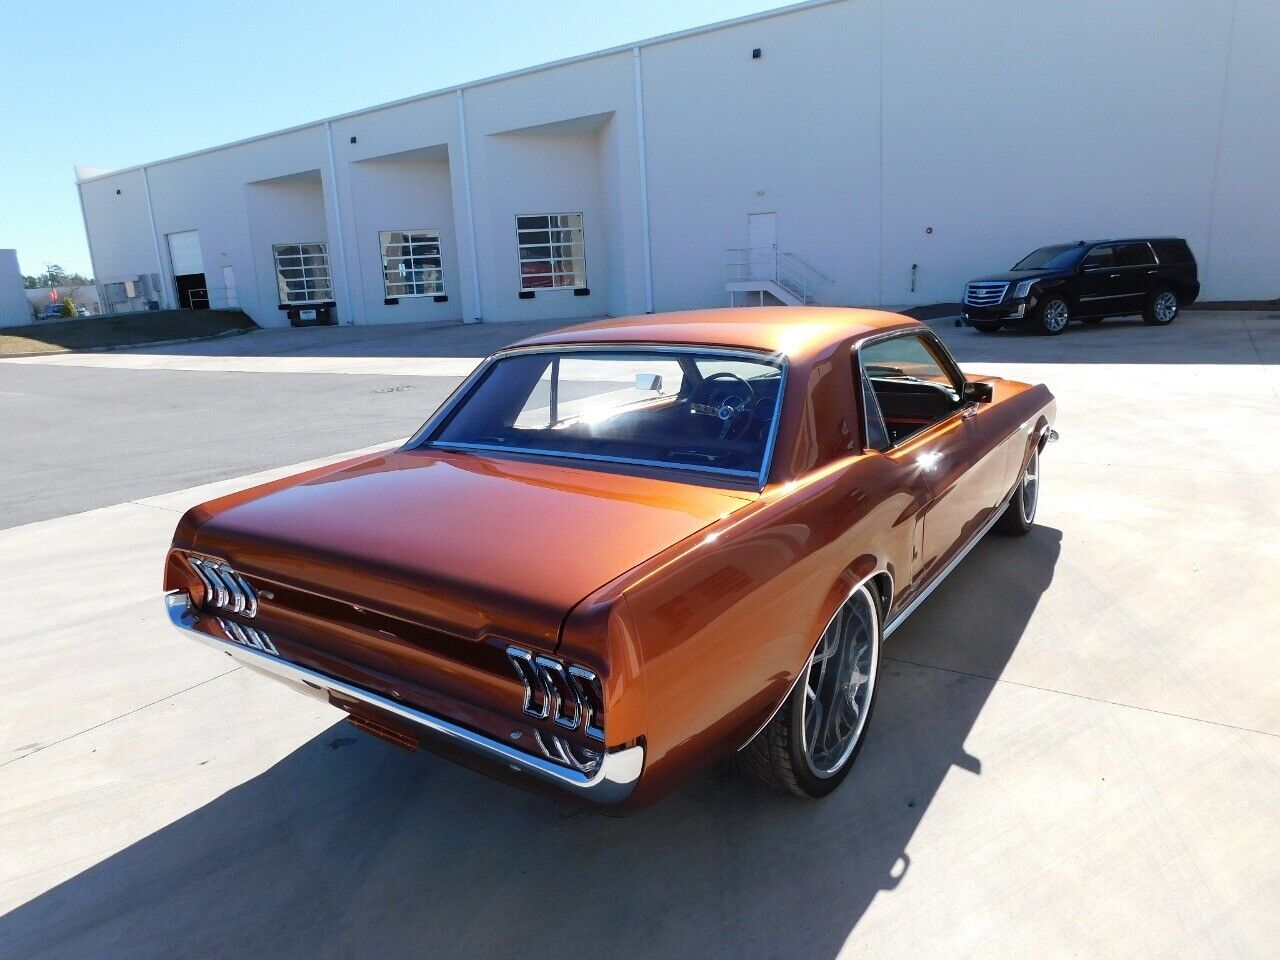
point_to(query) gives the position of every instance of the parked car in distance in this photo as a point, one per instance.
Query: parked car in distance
(1054, 285)
(52, 311)
(623, 551)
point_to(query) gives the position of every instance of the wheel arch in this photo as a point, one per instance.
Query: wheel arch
(868, 571)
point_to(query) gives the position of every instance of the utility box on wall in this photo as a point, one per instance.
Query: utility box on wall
(311, 315)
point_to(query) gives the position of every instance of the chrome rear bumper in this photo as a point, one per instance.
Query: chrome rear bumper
(611, 783)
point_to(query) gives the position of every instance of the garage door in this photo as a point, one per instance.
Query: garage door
(184, 253)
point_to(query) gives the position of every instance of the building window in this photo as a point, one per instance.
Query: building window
(411, 263)
(302, 272)
(552, 251)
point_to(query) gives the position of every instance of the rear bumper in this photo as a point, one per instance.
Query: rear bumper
(612, 782)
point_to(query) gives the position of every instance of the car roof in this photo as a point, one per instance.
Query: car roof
(795, 331)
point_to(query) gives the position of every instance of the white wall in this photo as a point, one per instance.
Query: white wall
(15, 310)
(883, 133)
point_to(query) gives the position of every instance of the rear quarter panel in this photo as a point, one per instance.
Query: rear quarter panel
(723, 623)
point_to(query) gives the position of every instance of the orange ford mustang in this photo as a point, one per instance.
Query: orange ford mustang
(625, 550)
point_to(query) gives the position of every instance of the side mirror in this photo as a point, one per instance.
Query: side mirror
(649, 382)
(975, 391)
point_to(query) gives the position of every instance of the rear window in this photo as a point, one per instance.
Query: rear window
(702, 411)
(1173, 251)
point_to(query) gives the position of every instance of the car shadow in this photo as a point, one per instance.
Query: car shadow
(346, 847)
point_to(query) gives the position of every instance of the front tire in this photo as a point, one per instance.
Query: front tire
(1162, 308)
(1020, 514)
(986, 326)
(1052, 316)
(810, 745)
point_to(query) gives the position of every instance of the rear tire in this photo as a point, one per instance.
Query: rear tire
(1162, 308)
(1052, 316)
(801, 750)
(986, 326)
(1020, 515)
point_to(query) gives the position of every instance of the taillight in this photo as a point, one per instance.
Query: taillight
(570, 697)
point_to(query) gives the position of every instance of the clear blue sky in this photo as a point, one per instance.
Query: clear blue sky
(114, 83)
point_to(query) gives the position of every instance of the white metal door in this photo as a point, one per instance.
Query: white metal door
(762, 231)
(184, 253)
(229, 287)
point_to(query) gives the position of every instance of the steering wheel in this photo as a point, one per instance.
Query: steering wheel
(728, 398)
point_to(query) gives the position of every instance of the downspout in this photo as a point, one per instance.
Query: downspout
(337, 223)
(644, 183)
(167, 281)
(93, 264)
(478, 307)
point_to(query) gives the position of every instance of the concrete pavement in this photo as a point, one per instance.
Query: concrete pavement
(1075, 753)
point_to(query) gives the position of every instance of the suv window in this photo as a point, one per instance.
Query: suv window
(1172, 251)
(1100, 258)
(1134, 255)
(912, 385)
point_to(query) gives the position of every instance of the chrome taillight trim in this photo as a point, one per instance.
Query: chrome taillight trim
(537, 697)
(571, 697)
(224, 588)
(591, 694)
(249, 636)
(560, 750)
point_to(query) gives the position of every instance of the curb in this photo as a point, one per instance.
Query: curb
(132, 346)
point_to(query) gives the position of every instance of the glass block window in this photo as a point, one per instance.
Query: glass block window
(411, 263)
(552, 251)
(302, 272)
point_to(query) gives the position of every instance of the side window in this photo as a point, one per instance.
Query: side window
(1134, 255)
(911, 384)
(1100, 258)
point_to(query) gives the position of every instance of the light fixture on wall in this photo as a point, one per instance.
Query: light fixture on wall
(755, 54)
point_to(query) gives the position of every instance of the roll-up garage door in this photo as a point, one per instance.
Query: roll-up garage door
(184, 253)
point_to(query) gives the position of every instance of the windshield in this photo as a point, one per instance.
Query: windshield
(1064, 256)
(702, 410)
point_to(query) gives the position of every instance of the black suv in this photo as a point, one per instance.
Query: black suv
(1086, 281)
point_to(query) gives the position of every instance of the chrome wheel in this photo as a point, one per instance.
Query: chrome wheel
(838, 685)
(1056, 316)
(1031, 488)
(1166, 306)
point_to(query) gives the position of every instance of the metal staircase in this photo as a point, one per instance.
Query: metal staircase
(762, 276)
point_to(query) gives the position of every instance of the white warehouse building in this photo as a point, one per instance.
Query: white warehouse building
(861, 152)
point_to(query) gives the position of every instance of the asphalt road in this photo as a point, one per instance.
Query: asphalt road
(75, 436)
(1075, 752)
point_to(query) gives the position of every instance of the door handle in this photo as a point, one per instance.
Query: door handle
(1115, 276)
(1153, 271)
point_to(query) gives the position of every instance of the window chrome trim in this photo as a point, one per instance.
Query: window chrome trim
(948, 362)
(612, 782)
(421, 439)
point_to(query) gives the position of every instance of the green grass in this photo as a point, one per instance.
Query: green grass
(124, 330)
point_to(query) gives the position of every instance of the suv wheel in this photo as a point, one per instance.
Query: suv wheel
(1162, 308)
(986, 326)
(1052, 316)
